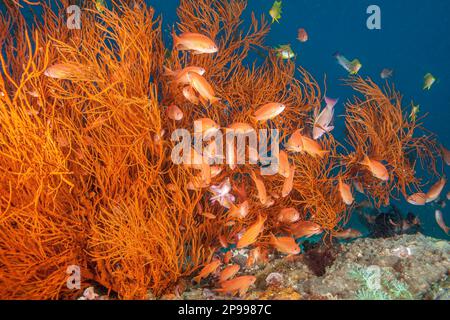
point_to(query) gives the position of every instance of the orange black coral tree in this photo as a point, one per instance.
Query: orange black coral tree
(87, 176)
(378, 126)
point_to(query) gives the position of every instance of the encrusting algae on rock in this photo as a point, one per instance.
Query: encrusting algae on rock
(87, 171)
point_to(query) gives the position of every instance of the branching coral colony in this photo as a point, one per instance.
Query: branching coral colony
(86, 172)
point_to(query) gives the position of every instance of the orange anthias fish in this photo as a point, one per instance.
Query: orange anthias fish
(288, 215)
(229, 272)
(174, 113)
(302, 35)
(288, 183)
(240, 211)
(206, 126)
(445, 155)
(252, 233)
(417, 199)
(190, 95)
(63, 71)
(180, 76)
(203, 88)
(261, 188)
(285, 244)
(377, 169)
(313, 148)
(269, 111)
(195, 42)
(347, 234)
(295, 142)
(358, 186)
(207, 270)
(306, 229)
(237, 285)
(241, 128)
(435, 190)
(283, 164)
(346, 192)
(324, 119)
(440, 221)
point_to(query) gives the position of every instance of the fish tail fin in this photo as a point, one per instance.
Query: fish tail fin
(331, 102)
(214, 100)
(273, 239)
(197, 279)
(176, 39)
(168, 72)
(322, 153)
(366, 161)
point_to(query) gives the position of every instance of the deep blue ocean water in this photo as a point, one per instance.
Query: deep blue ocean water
(413, 41)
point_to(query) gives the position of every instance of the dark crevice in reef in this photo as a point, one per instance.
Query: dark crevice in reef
(319, 256)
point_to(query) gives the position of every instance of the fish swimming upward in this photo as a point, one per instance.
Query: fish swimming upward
(351, 66)
(323, 120)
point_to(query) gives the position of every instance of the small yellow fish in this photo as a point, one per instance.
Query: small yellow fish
(414, 111)
(275, 11)
(428, 81)
(100, 5)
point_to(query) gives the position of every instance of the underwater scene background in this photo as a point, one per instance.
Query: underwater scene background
(94, 192)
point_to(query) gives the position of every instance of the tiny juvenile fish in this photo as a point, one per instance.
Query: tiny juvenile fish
(351, 66)
(275, 11)
(195, 42)
(414, 112)
(428, 81)
(302, 35)
(386, 73)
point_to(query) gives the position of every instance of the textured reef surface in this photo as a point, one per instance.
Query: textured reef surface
(411, 267)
